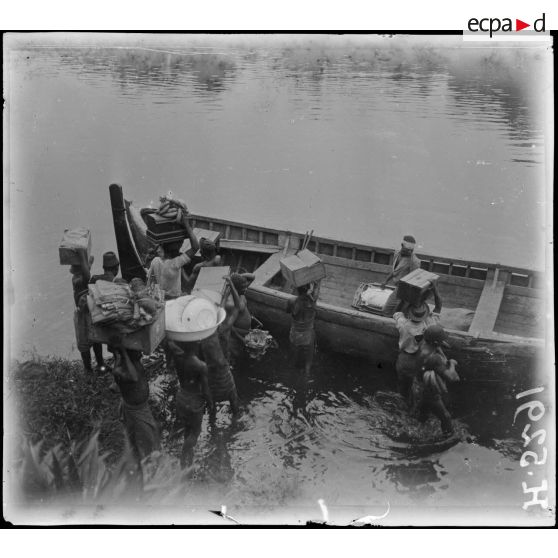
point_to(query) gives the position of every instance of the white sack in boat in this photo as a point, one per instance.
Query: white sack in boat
(374, 297)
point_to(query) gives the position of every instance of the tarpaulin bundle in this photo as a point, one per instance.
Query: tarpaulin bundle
(110, 302)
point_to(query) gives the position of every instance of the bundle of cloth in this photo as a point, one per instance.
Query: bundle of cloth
(127, 306)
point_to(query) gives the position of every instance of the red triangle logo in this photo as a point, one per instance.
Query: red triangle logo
(519, 25)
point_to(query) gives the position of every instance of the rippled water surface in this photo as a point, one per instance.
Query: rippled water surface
(358, 140)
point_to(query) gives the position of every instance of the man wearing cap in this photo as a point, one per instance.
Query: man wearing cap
(411, 326)
(404, 261)
(429, 392)
(111, 266)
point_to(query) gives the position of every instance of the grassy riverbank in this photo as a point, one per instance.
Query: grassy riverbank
(69, 440)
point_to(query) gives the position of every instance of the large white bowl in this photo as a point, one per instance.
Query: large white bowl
(190, 336)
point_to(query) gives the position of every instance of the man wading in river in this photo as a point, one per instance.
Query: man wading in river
(404, 261)
(243, 322)
(303, 311)
(192, 396)
(220, 378)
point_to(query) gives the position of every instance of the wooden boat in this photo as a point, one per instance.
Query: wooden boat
(503, 340)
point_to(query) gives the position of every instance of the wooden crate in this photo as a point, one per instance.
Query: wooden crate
(412, 287)
(146, 339)
(74, 241)
(211, 280)
(302, 268)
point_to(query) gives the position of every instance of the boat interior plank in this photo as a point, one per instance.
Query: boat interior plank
(488, 307)
(521, 315)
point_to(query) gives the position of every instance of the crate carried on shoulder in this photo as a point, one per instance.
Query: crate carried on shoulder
(302, 268)
(73, 242)
(413, 286)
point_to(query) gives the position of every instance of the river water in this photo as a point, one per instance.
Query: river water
(361, 139)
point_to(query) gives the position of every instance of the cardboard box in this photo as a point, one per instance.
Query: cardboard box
(146, 339)
(74, 241)
(412, 287)
(211, 279)
(302, 268)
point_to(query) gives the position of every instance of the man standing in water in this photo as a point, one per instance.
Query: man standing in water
(243, 321)
(220, 378)
(303, 311)
(404, 261)
(192, 397)
(131, 379)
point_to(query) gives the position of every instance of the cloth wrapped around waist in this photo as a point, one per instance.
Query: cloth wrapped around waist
(221, 382)
(141, 427)
(188, 402)
(302, 333)
(82, 321)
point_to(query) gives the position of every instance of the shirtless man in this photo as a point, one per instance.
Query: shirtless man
(131, 379)
(243, 321)
(192, 396)
(302, 335)
(220, 379)
(210, 258)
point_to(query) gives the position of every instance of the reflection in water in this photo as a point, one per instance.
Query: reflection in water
(150, 70)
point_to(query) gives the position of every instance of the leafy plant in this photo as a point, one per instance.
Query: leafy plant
(81, 472)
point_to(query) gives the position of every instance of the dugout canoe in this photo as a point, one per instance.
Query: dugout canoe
(494, 314)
